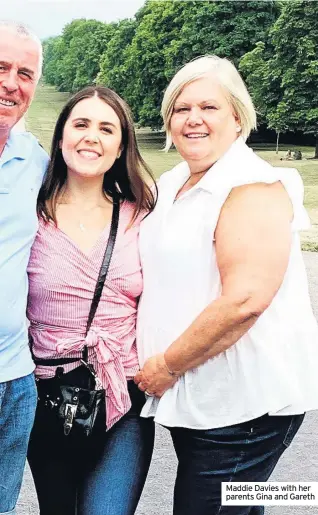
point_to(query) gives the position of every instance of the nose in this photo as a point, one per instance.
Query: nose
(195, 117)
(10, 82)
(91, 137)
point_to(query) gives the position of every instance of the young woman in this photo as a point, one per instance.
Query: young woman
(94, 160)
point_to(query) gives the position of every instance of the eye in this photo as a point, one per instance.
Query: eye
(80, 125)
(26, 75)
(209, 107)
(107, 130)
(181, 109)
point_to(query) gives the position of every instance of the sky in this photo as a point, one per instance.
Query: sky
(48, 17)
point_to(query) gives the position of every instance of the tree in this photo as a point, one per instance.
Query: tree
(58, 69)
(295, 36)
(90, 40)
(54, 52)
(139, 57)
(67, 64)
(158, 24)
(72, 60)
(286, 89)
(170, 33)
(114, 71)
(227, 29)
(264, 86)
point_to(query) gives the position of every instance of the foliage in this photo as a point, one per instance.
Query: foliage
(171, 33)
(227, 29)
(138, 57)
(264, 84)
(71, 61)
(89, 42)
(159, 25)
(295, 36)
(54, 51)
(283, 74)
(114, 71)
(274, 43)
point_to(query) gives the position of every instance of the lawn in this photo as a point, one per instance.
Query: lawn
(48, 103)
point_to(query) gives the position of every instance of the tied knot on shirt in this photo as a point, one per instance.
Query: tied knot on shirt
(107, 347)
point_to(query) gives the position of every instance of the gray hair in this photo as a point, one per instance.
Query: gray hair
(227, 76)
(24, 32)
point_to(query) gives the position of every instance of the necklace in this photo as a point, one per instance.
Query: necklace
(80, 224)
(82, 216)
(82, 227)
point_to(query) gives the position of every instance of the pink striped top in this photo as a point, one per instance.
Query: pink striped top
(62, 281)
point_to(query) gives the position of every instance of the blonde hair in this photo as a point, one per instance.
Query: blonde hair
(227, 77)
(24, 32)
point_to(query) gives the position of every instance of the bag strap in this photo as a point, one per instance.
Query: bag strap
(97, 293)
(103, 271)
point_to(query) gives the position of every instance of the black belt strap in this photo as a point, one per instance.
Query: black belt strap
(97, 294)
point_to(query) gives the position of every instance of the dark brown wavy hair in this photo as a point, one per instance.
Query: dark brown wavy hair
(124, 180)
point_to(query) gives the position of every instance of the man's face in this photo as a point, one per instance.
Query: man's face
(19, 74)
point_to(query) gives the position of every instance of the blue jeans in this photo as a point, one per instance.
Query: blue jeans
(99, 475)
(17, 409)
(242, 452)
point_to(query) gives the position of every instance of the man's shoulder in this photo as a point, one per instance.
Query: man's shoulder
(28, 146)
(28, 140)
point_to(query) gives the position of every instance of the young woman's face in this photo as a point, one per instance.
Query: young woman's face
(203, 124)
(91, 138)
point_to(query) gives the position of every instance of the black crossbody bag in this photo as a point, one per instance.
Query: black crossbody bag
(76, 406)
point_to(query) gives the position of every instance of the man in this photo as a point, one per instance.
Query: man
(22, 165)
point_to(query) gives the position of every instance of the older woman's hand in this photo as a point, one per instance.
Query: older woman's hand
(154, 377)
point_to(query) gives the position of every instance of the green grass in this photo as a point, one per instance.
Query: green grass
(43, 113)
(48, 103)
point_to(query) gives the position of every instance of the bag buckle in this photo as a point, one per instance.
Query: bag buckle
(70, 410)
(98, 383)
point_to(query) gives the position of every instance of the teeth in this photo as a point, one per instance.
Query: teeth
(89, 154)
(6, 102)
(197, 135)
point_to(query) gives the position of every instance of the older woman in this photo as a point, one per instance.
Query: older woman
(226, 333)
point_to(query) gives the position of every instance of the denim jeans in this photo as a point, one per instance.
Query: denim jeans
(242, 452)
(17, 409)
(103, 474)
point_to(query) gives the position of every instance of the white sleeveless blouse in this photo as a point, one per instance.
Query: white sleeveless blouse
(273, 367)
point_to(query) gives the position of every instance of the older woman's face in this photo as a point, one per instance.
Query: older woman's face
(203, 124)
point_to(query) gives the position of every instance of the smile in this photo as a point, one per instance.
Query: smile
(8, 103)
(89, 154)
(196, 135)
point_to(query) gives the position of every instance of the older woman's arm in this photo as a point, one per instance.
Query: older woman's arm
(253, 239)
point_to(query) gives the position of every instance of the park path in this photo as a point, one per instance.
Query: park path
(299, 463)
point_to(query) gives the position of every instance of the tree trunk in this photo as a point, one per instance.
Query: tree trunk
(277, 142)
(316, 149)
